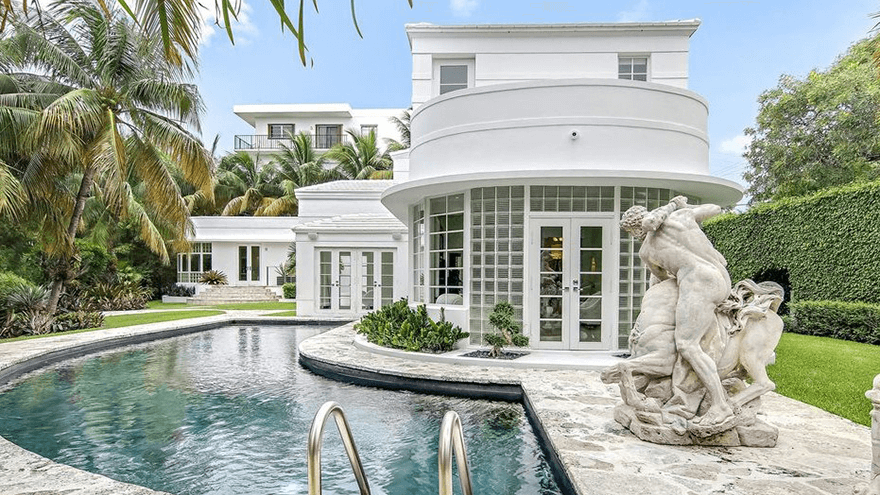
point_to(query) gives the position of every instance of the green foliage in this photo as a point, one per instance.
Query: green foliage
(826, 242)
(77, 320)
(179, 290)
(503, 319)
(20, 249)
(119, 295)
(817, 132)
(26, 311)
(859, 322)
(8, 283)
(401, 327)
(213, 277)
(289, 290)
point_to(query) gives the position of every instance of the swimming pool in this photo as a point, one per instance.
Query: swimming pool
(228, 411)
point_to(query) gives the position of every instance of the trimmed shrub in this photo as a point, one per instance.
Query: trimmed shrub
(400, 327)
(826, 243)
(859, 322)
(289, 290)
(179, 290)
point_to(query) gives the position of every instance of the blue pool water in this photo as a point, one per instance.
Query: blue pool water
(227, 411)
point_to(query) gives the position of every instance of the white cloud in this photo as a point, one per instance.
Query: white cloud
(463, 8)
(638, 13)
(243, 29)
(736, 145)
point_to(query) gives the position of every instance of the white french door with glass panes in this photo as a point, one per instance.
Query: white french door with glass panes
(248, 265)
(355, 281)
(570, 283)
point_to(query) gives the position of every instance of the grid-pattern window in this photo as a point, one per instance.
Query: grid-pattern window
(327, 136)
(632, 68)
(633, 275)
(280, 131)
(418, 253)
(453, 78)
(571, 198)
(497, 244)
(190, 266)
(446, 249)
(366, 129)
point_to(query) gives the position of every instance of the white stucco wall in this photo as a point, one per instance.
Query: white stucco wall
(510, 53)
(583, 124)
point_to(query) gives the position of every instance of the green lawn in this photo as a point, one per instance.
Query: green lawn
(828, 373)
(283, 313)
(253, 306)
(130, 320)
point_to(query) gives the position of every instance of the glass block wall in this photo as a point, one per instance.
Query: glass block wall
(633, 276)
(571, 198)
(497, 251)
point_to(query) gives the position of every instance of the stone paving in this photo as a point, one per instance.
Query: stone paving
(817, 453)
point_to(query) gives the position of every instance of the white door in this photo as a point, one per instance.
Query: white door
(354, 281)
(249, 265)
(570, 283)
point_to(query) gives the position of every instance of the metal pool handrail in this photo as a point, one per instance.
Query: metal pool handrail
(316, 439)
(452, 441)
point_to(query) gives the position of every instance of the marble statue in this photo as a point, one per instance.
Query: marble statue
(696, 339)
(874, 395)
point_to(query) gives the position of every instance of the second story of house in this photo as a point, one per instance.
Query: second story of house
(327, 124)
(449, 58)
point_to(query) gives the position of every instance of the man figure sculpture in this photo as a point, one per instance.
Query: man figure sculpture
(674, 246)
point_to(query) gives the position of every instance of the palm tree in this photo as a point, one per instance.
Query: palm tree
(403, 124)
(98, 101)
(360, 158)
(178, 23)
(252, 187)
(298, 165)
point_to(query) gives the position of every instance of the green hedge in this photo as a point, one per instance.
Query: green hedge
(829, 243)
(859, 322)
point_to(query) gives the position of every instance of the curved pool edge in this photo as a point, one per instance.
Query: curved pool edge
(818, 453)
(25, 472)
(472, 390)
(572, 414)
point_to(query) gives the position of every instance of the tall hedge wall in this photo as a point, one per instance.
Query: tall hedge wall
(829, 243)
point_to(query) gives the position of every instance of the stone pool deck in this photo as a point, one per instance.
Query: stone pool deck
(817, 452)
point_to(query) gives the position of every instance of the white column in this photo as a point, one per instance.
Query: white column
(874, 395)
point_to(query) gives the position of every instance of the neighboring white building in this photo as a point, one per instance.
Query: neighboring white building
(327, 124)
(528, 141)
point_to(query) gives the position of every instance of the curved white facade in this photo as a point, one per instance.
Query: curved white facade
(583, 124)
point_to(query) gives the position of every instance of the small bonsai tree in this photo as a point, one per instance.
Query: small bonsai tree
(503, 320)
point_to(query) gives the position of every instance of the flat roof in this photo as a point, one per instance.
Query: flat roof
(249, 113)
(689, 25)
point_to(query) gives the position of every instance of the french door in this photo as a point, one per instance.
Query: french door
(249, 264)
(355, 281)
(570, 283)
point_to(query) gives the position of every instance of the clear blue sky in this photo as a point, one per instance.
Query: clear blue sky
(740, 50)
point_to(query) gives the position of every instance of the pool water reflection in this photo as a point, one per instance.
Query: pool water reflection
(227, 411)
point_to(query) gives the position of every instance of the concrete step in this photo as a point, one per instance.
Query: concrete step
(225, 294)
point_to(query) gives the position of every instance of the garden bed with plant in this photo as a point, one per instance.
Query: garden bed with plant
(398, 326)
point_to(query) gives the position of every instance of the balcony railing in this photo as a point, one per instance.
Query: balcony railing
(322, 141)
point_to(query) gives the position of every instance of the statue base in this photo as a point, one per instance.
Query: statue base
(747, 431)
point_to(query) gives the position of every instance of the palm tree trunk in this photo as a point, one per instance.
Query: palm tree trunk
(63, 274)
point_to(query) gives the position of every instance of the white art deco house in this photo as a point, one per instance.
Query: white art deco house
(528, 141)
